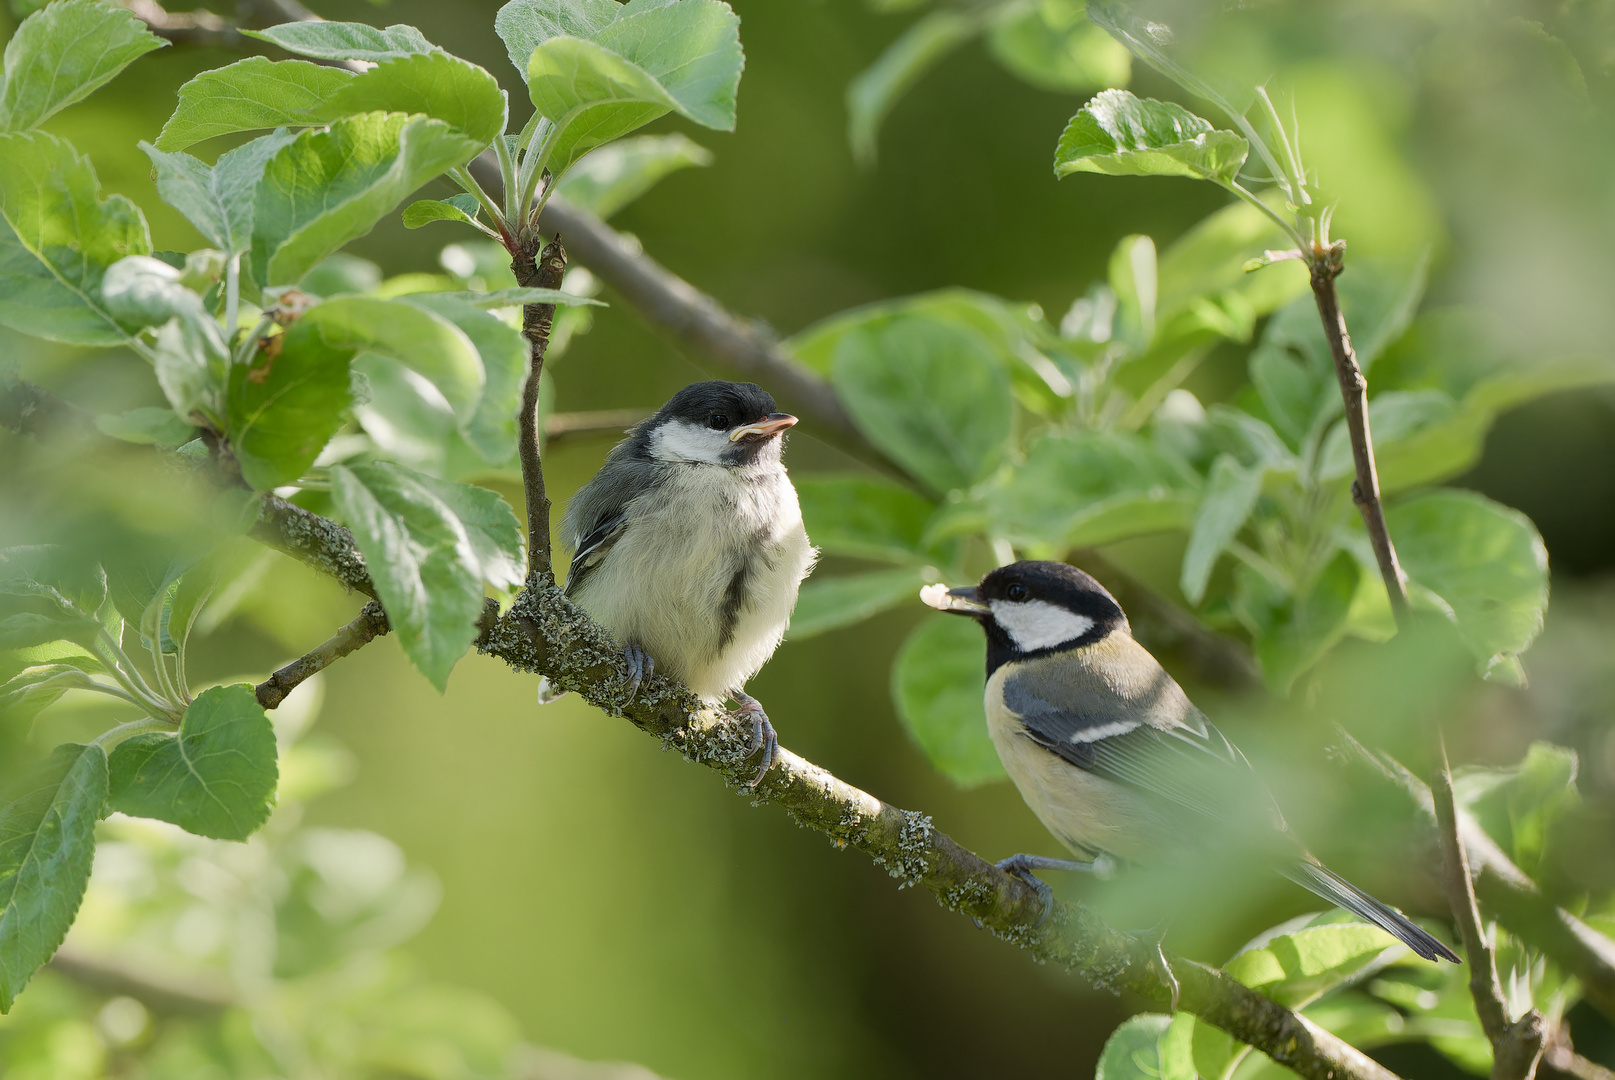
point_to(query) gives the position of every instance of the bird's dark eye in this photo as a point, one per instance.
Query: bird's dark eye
(718, 422)
(1016, 591)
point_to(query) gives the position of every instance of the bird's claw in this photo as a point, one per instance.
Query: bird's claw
(641, 666)
(1022, 865)
(763, 735)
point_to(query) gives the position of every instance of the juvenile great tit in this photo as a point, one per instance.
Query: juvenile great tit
(1107, 749)
(688, 545)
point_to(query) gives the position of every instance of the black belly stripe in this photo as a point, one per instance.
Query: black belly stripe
(734, 600)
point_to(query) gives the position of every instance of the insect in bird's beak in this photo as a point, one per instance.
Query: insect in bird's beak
(767, 427)
(962, 601)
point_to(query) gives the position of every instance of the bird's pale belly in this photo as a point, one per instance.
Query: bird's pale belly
(715, 587)
(1086, 813)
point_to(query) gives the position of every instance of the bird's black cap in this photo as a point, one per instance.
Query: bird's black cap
(698, 403)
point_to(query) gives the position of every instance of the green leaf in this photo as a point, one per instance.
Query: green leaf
(1292, 632)
(864, 517)
(286, 404)
(438, 85)
(609, 178)
(1009, 327)
(1485, 561)
(523, 25)
(64, 53)
(1052, 45)
(938, 682)
(934, 397)
(215, 777)
(1082, 488)
(499, 298)
(1118, 134)
(651, 59)
(1209, 260)
(410, 334)
(45, 597)
(1148, 1046)
(34, 689)
(249, 95)
(427, 561)
(333, 185)
(58, 239)
(461, 208)
(1231, 492)
(831, 603)
(218, 199)
(874, 91)
(491, 428)
(47, 843)
(345, 40)
(1297, 968)
(147, 426)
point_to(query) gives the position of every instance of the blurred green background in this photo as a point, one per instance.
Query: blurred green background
(617, 902)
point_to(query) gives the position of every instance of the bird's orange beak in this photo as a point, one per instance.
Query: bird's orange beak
(766, 428)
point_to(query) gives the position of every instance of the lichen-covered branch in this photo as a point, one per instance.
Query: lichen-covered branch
(1516, 1044)
(1325, 267)
(366, 627)
(315, 540)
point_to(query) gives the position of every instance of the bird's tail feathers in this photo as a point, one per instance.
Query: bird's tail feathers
(1322, 881)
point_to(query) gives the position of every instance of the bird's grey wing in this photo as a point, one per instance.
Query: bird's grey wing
(592, 548)
(598, 514)
(1140, 731)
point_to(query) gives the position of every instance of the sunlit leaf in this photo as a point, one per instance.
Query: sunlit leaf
(324, 40)
(462, 208)
(47, 843)
(1120, 135)
(64, 53)
(332, 185)
(215, 777)
(57, 240)
(438, 85)
(429, 544)
(217, 199)
(1292, 631)
(491, 428)
(650, 59)
(250, 95)
(938, 682)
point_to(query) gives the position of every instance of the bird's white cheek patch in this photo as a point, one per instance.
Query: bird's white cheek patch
(679, 441)
(1037, 624)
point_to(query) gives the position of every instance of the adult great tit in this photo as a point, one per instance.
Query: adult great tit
(1107, 749)
(688, 545)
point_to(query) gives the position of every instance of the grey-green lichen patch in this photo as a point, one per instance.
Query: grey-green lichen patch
(909, 863)
(316, 540)
(975, 896)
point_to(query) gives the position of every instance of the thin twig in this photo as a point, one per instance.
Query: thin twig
(1506, 891)
(1516, 1045)
(670, 302)
(1559, 1059)
(544, 272)
(558, 426)
(545, 632)
(1325, 267)
(368, 625)
(199, 27)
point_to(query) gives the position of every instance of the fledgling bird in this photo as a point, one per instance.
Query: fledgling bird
(688, 545)
(1107, 749)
